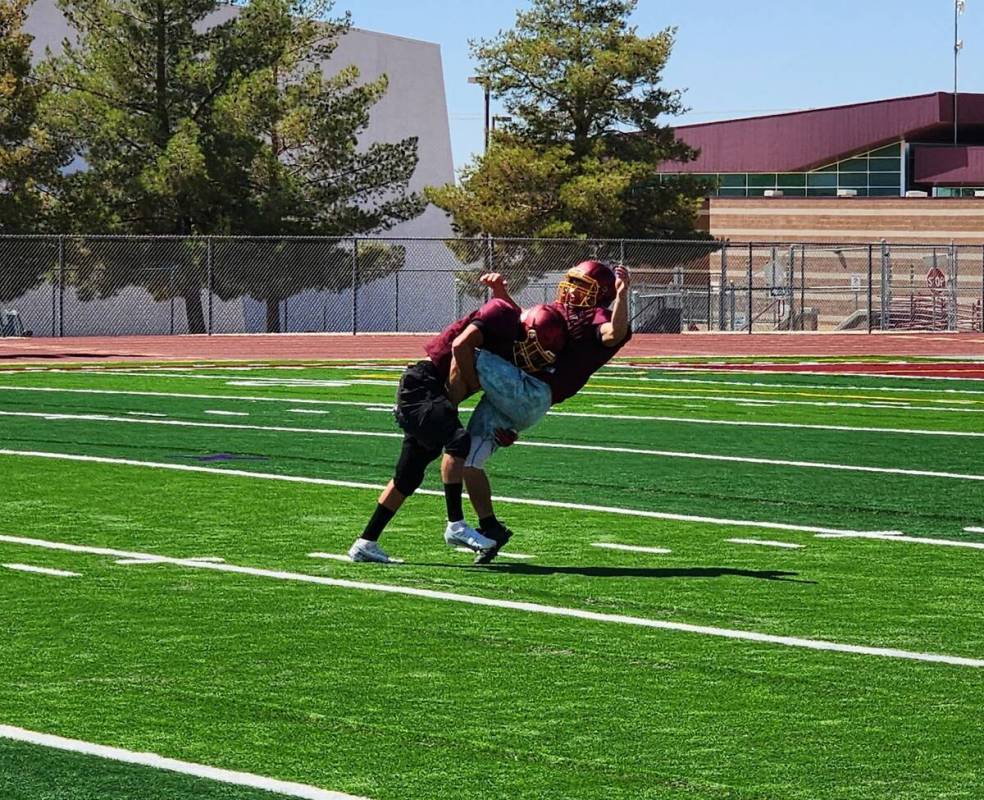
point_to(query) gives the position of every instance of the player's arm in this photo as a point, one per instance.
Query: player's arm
(613, 333)
(463, 380)
(499, 287)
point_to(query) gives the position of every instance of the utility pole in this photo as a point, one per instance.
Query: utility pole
(958, 9)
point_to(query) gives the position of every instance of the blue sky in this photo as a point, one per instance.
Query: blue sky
(733, 58)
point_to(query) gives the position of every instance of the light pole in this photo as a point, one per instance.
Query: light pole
(483, 81)
(958, 9)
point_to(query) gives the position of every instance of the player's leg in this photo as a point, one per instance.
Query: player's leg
(408, 475)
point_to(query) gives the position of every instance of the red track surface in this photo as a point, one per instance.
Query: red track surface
(408, 346)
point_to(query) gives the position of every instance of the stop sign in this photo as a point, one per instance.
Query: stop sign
(936, 279)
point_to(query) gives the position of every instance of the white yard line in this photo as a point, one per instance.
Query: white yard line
(319, 411)
(623, 417)
(331, 556)
(631, 548)
(764, 385)
(565, 506)
(740, 400)
(284, 788)
(766, 543)
(226, 413)
(145, 414)
(533, 608)
(57, 573)
(135, 561)
(919, 473)
(893, 537)
(973, 530)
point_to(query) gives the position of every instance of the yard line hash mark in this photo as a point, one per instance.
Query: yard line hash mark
(630, 548)
(766, 543)
(533, 608)
(284, 788)
(57, 573)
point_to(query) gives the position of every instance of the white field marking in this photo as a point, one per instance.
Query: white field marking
(893, 537)
(133, 561)
(524, 501)
(973, 530)
(766, 543)
(631, 548)
(284, 788)
(387, 409)
(764, 385)
(755, 424)
(319, 411)
(145, 414)
(227, 413)
(502, 554)
(250, 398)
(627, 417)
(57, 573)
(533, 608)
(918, 473)
(716, 370)
(606, 405)
(815, 403)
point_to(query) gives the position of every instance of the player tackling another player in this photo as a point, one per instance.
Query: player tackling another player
(524, 361)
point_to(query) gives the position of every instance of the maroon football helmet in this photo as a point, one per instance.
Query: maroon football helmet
(546, 336)
(586, 285)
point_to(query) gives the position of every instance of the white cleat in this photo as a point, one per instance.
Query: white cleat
(464, 534)
(366, 550)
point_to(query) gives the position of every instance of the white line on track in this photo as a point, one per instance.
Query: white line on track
(226, 413)
(918, 473)
(565, 506)
(502, 554)
(57, 573)
(631, 548)
(623, 417)
(284, 788)
(533, 608)
(893, 537)
(766, 543)
(973, 530)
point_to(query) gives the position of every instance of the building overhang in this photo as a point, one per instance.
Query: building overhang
(948, 166)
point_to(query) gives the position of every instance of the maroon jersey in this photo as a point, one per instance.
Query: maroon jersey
(584, 355)
(497, 320)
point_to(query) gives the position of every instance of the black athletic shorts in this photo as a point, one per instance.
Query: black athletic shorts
(425, 413)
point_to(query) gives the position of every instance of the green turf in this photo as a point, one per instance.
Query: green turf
(389, 696)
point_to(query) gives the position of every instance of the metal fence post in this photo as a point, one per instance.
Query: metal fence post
(61, 285)
(870, 291)
(355, 286)
(749, 287)
(209, 281)
(396, 301)
(802, 325)
(724, 280)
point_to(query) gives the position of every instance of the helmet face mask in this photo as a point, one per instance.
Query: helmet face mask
(587, 285)
(546, 335)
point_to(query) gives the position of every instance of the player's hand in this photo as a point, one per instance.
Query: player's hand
(494, 280)
(622, 278)
(505, 437)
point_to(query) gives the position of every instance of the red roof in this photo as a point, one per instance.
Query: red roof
(805, 140)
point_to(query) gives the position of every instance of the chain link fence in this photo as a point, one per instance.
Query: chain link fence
(128, 285)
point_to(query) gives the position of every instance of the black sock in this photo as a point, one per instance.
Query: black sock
(452, 497)
(379, 519)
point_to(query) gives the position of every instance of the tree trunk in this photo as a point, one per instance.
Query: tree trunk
(273, 315)
(193, 309)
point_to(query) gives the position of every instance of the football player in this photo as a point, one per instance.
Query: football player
(426, 410)
(596, 334)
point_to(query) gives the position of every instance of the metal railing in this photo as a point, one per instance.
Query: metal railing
(127, 285)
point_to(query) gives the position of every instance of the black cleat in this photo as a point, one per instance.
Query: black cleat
(501, 537)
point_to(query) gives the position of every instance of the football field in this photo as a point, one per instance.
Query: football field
(724, 584)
